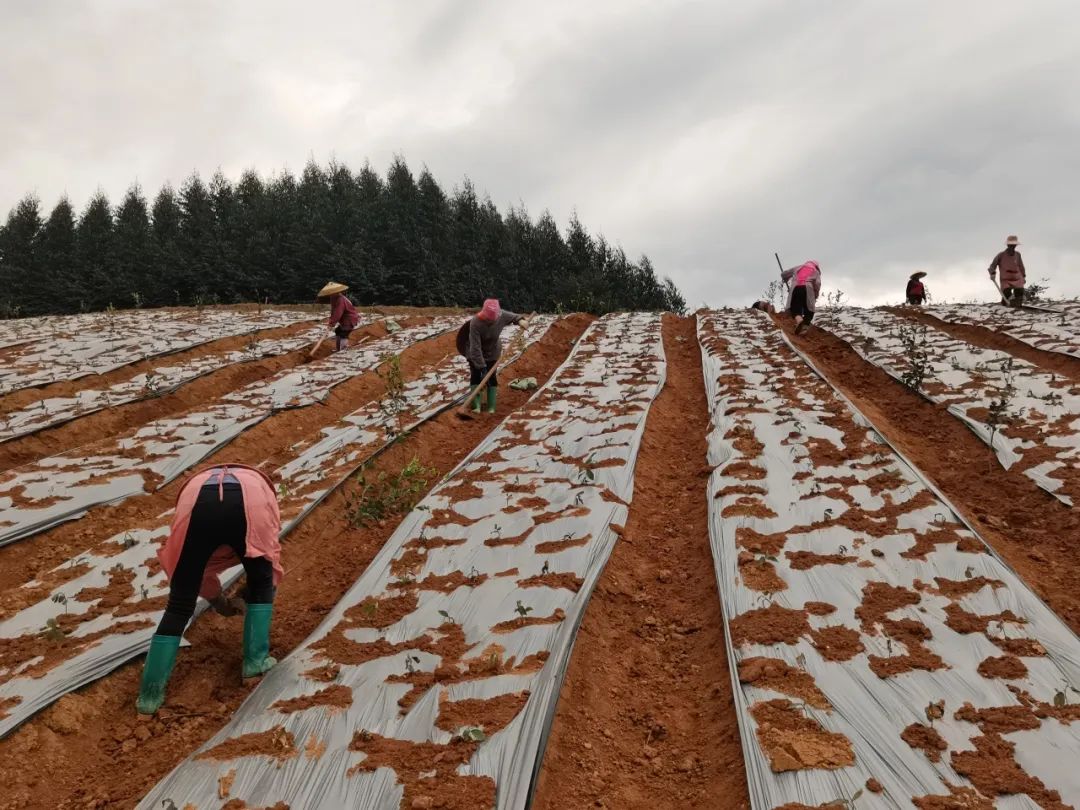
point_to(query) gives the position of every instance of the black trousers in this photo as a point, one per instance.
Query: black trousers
(214, 523)
(477, 374)
(799, 305)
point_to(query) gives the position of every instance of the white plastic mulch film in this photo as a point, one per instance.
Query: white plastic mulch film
(85, 617)
(436, 675)
(102, 342)
(1029, 416)
(63, 487)
(162, 379)
(1051, 331)
(883, 653)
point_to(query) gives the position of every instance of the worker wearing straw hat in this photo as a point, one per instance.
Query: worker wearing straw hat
(1013, 274)
(916, 290)
(343, 316)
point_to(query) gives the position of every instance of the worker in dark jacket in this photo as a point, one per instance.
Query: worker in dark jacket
(1013, 274)
(916, 290)
(484, 347)
(343, 315)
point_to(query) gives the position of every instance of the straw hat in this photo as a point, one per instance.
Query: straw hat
(1012, 240)
(918, 275)
(331, 288)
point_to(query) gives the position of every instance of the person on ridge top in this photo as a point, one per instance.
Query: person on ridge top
(343, 315)
(916, 290)
(484, 347)
(804, 282)
(224, 515)
(1013, 274)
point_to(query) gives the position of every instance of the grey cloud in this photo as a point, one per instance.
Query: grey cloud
(876, 139)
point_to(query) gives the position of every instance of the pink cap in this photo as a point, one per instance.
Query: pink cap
(490, 311)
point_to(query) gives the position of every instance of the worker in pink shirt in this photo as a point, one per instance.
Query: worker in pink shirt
(225, 515)
(343, 315)
(805, 284)
(1013, 273)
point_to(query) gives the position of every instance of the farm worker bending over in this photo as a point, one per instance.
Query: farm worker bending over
(916, 290)
(805, 284)
(763, 305)
(224, 515)
(343, 316)
(1013, 274)
(484, 347)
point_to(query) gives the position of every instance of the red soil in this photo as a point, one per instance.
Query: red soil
(645, 716)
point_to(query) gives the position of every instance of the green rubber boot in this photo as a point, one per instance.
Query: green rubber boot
(156, 671)
(257, 659)
(476, 403)
(492, 398)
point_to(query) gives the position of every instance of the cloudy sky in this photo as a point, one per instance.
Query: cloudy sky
(878, 138)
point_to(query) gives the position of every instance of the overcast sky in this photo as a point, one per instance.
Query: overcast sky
(878, 138)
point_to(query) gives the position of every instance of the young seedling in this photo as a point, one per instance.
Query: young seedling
(369, 609)
(848, 802)
(1061, 697)
(545, 569)
(52, 630)
(447, 616)
(919, 366)
(474, 734)
(522, 610)
(61, 599)
(411, 663)
(934, 711)
(129, 541)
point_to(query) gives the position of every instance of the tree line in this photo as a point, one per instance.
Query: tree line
(398, 240)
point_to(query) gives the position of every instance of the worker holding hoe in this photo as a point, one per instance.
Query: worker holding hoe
(481, 345)
(1013, 274)
(343, 315)
(225, 515)
(805, 284)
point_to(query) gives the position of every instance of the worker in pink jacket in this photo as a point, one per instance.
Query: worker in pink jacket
(343, 315)
(225, 515)
(1013, 274)
(804, 282)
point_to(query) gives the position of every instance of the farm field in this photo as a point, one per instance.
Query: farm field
(706, 564)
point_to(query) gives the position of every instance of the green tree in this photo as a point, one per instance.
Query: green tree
(96, 285)
(56, 258)
(133, 249)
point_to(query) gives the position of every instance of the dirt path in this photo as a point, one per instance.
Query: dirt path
(645, 717)
(1053, 362)
(90, 750)
(111, 421)
(1033, 532)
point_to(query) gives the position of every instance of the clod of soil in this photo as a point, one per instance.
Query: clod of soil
(779, 676)
(334, 697)
(771, 625)
(959, 798)
(491, 715)
(837, 642)
(276, 743)
(1007, 667)
(873, 785)
(993, 769)
(795, 742)
(926, 739)
(428, 771)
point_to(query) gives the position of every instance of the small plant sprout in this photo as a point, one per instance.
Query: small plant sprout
(52, 630)
(447, 616)
(411, 662)
(935, 711)
(144, 591)
(764, 558)
(61, 599)
(969, 572)
(1061, 697)
(849, 802)
(545, 569)
(369, 609)
(473, 734)
(522, 610)
(129, 540)
(473, 574)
